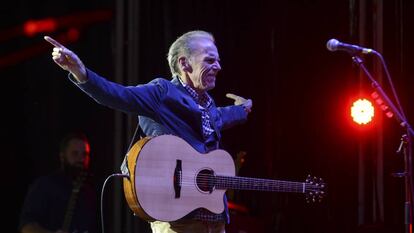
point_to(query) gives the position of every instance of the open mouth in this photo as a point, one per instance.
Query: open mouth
(211, 76)
(210, 79)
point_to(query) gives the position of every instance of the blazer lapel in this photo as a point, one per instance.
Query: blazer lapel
(188, 101)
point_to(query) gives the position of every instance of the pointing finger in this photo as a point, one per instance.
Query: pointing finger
(60, 50)
(57, 50)
(53, 42)
(232, 96)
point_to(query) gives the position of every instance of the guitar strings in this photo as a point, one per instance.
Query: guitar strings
(259, 187)
(205, 178)
(240, 182)
(238, 178)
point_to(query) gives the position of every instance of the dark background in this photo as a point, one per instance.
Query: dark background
(272, 52)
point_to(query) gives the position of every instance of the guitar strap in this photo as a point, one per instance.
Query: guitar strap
(138, 131)
(70, 209)
(216, 130)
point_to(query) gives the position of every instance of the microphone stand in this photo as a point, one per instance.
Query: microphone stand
(405, 146)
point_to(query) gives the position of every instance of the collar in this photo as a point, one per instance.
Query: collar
(202, 99)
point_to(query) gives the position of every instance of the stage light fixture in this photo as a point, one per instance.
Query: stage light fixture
(362, 111)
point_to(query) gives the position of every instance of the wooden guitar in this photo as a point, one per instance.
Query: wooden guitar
(168, 179)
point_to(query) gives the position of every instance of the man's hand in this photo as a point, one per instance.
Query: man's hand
(238, 100)
(68, 60)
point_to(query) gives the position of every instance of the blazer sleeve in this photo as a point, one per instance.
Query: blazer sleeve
(142, 99)
(232, 115)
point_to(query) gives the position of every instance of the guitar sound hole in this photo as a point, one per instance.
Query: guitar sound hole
(205, 180)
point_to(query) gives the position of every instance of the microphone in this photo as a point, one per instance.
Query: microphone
(334, 45)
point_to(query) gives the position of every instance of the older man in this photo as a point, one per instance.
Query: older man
(181, 107)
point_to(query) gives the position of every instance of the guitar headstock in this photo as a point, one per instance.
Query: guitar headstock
(314, 189)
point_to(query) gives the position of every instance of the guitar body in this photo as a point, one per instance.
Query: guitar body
(168, 179)
(167, 176)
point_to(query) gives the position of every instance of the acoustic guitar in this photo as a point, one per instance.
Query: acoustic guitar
(168, 179)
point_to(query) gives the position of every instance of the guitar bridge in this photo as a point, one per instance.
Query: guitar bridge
(177, 180)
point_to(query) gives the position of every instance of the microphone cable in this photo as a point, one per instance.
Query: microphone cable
(117, 175)
(102, 195)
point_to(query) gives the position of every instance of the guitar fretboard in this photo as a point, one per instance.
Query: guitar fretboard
(245, 183)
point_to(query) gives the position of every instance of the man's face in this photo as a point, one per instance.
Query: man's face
(204, 63)
(75, 154)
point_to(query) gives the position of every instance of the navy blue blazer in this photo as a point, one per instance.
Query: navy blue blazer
(164, 107)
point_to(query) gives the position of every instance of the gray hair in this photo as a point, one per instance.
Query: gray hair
(182, 47)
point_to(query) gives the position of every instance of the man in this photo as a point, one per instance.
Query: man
(181, 106)
(64, 201)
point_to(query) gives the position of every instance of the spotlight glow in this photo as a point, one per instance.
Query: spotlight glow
(33, 27)
(362, 111)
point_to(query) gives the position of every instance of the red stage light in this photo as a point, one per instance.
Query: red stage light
(73, 34)
(382, 104)
(33, 27)
(362, 111)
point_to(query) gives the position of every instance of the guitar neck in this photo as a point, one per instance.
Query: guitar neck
(246, 183)
(70, 209)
